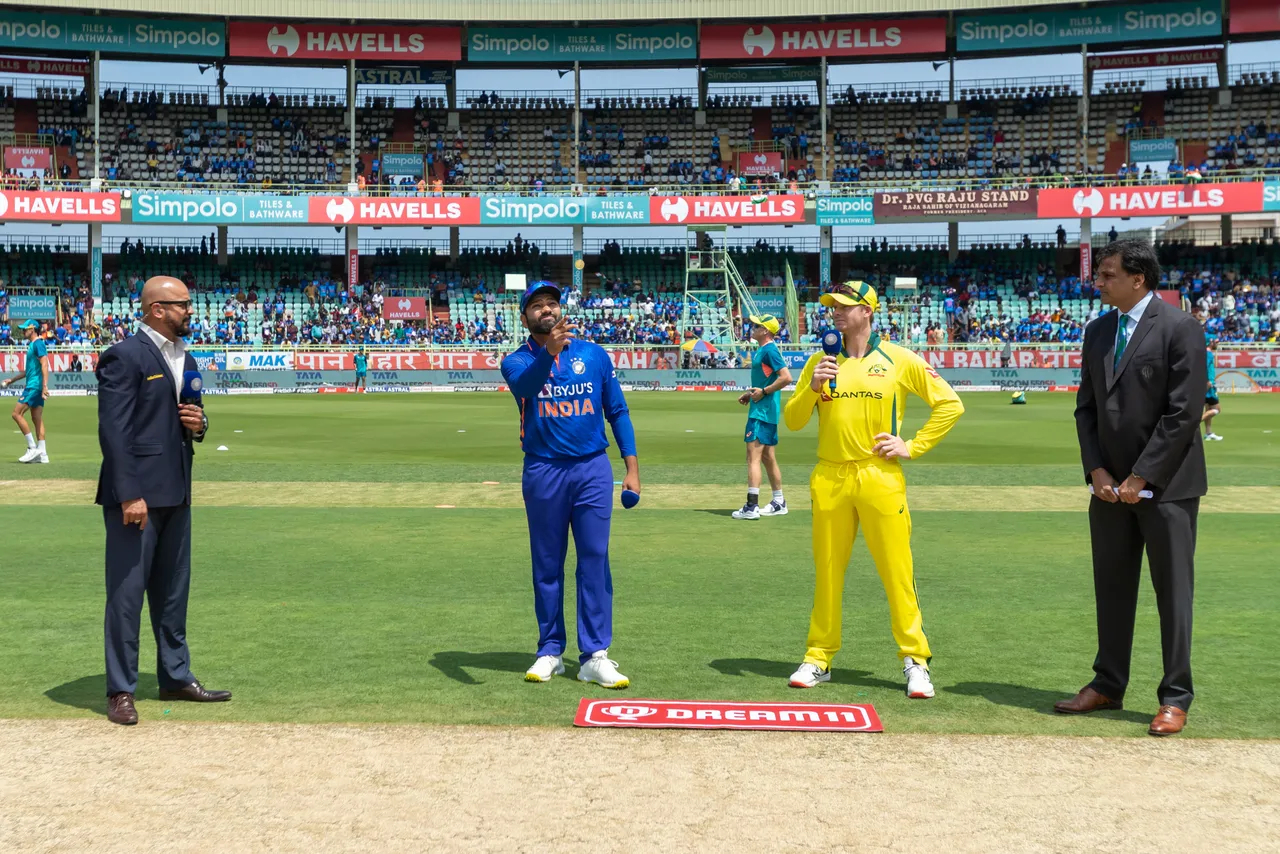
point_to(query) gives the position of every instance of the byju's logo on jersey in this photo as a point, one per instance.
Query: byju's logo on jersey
(578, 366)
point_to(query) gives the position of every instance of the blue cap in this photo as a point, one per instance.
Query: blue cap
(30, 324)
(536, 288)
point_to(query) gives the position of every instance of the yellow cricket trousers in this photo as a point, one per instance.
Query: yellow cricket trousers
(873, 493)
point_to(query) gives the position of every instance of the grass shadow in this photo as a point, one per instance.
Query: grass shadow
(717, 511)
(782, 670)
(90, 692)
(456, 663)
(1035, 699)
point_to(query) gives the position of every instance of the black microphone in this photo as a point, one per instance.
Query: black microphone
(832, 344)
(192, 392)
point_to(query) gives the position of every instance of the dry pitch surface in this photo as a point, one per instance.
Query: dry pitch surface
(86, 785)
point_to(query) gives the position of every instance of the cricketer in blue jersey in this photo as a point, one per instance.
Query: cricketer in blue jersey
(34, 394)
(769, 375)
(566, 389)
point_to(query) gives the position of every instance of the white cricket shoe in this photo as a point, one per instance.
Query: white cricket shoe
(919, 685)
(602, 671)
(748, 511)
(774, 508)
(30, 456)
(42, 458)
(808, 676)
(544, 668)
(1213, 437)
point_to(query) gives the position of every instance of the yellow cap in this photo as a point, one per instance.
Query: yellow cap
(768, 321)
(851, 292)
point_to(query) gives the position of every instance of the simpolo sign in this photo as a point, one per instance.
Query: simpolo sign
(586, 44)
(1152, 150)
(219, 209)
(109, 34)
(848, 210)
(564, 210)
(23, 307)
(1271, 196)
(1107, 24)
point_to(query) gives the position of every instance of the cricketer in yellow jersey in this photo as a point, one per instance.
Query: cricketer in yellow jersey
(858, 479)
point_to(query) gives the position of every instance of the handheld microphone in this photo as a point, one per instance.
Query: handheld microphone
(192, 388)
(832, 344)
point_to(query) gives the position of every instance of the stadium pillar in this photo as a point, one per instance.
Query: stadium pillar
(702, 88)
(1087, 76)
(1226, 230)
(351, 119)
(577, 122)
(822, 110)
(97, 112)
(578, 261)
(353, 256)
(953, 241)
(451, 90)
(824, 256)
(222, 246)
(95, 260)
(455, 243)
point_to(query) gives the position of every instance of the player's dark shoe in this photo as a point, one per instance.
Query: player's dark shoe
(120, 709)
(196, 693)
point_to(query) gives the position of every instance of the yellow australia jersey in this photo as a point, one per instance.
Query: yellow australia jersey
(870, 398)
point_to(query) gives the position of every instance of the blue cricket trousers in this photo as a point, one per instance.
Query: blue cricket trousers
(559, 494)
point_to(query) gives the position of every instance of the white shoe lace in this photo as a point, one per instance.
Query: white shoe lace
(548, 660)
(808, 670)
(915, 672)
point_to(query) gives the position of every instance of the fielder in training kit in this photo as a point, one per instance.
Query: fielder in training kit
(362, 370)
(859, 480)
(566, 389)
(1212, 406)
(769, 375)
(34, 394)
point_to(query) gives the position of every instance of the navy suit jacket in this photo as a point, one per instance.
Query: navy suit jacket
(146, 452)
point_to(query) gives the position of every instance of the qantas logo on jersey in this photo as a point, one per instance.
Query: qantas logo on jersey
(856, 395)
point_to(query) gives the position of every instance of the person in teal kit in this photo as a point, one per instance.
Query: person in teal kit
(362, 370)
(565, 390)
(34, 394)
(769, 375)
(1212, 406)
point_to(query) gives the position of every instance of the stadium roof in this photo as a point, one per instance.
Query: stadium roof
(463, 11)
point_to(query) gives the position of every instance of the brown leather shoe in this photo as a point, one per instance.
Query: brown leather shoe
(120, 709)
(1168, 721)
(196, 693)
(1088, 700)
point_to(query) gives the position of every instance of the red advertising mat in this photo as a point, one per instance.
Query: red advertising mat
(700, 714)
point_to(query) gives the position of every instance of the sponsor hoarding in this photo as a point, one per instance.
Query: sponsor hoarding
(1154, 59)
(1254, 16)
(947, 205)
(1271, 195)
(846, 210)
(779, 74)
(27, 307)
(28, 160)
(353, 268)
(507, 209)
(360, 210)
(59, 67)
(111, 34)
(630, 209)
(247, 360)
(584, 44)
(338, 41)
(400, 75)
(760, 163)
(833, 38)
(1158, 200)
(223, 208)
(1201, 19)
(712, 210)
(403, 164)
(59, 207)
(404, 308)
(698, 714)
(1152, 150)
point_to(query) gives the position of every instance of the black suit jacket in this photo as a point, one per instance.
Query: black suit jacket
(146, 452)
(1143, 415)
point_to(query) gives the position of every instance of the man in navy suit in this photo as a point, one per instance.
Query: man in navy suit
(146, 434)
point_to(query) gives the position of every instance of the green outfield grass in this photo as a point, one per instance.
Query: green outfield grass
(324, 613)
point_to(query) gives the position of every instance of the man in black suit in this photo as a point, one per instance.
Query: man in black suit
(1142, 381)
(144, 488)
